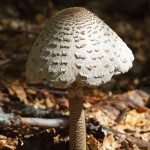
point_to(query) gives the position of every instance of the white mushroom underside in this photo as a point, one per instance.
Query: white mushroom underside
(77, 45)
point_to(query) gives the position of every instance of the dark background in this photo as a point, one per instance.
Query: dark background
(129, 18)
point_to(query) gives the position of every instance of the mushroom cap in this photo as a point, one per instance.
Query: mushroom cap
(76, 45)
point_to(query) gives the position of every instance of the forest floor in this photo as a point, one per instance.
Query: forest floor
(117, 113)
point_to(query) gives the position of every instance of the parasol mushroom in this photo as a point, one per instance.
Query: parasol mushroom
(76, 49)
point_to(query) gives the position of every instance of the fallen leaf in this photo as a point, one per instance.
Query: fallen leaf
(31, 91)
(16, 89)
(133, 117)
(141, 109)
(87, 105)
(109, 143)
(92, 143)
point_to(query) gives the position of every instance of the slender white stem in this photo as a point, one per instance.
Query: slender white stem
(77, 131)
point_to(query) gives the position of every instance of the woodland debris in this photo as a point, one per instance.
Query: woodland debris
(10, 120)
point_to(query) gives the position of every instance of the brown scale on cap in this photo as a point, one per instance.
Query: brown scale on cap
(79, 34)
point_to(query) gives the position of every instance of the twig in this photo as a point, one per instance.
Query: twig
(45, 123)
(50, 91)
(122, 113)
(8, 119)
(12, 120)
(3, 62)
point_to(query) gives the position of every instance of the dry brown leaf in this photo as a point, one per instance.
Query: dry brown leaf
(133, 118)
(49, 100)
(120, 128)
(141, 109)
(49, 103)
(138, 97)
(105, 114)
(39, 103)
(109, 143)
(92, 143)
(16, 89)
(57, 138)
(31, 91)
(67, 113)
(4, 143)
(87, 105)
(138, 123)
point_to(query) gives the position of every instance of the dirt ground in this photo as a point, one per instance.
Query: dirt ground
(117, 113)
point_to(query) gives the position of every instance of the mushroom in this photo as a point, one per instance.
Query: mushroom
(75, 49)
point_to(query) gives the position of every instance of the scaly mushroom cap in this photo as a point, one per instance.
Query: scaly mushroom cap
(77, 45)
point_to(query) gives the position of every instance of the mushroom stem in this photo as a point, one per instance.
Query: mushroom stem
(77, 131)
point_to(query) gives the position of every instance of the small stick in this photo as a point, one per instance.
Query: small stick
(122, 113)
(12, 120)
(45, 123)
(3, 62)
(50, 91)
